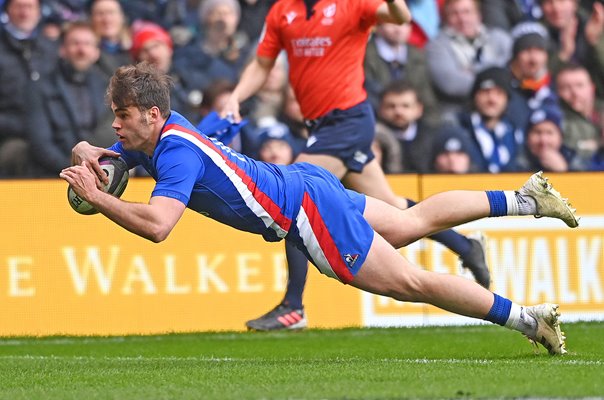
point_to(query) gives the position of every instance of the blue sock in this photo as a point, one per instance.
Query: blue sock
(498, 203)
(297, 267)
(456, 242)
(500, 312)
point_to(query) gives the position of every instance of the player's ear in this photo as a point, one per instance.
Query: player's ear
(154, 115)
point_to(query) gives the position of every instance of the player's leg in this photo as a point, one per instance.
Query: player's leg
(386, 272)
(443, 210)
(372, 181)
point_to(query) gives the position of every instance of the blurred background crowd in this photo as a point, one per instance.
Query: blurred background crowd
(469, 86)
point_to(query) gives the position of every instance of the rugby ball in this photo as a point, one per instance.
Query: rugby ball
(117, 171)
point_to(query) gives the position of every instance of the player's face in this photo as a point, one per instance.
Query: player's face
(544, 137)
(491, 103)
(577, 90)
(132, 127)
(400, 109)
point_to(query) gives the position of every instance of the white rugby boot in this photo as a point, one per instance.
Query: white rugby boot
(549, 202)
(548, 331)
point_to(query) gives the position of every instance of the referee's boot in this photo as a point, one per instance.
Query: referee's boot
(475, 260)
(282, 317)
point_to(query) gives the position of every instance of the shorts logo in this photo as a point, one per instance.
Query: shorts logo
(351, 259)
(360, 157)
(311, 140)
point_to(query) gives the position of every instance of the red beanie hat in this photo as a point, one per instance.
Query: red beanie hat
(145, 32)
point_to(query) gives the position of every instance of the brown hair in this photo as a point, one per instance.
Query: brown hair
(141, 86)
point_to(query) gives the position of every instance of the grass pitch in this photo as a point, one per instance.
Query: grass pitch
(446, 362)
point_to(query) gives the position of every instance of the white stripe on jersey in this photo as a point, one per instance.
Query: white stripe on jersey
(312, 244)
(241, 187)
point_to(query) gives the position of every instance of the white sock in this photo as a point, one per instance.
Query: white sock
(519, 204)
(519, 320)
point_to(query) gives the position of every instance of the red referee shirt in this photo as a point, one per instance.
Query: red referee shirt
(325, 53)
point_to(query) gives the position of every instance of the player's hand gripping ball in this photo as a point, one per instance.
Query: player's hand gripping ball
(117, 172)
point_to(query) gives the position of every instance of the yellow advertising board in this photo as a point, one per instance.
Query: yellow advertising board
(63, 273)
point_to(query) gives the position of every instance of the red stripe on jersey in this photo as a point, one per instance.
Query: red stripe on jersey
(332, 254)
(265, 201)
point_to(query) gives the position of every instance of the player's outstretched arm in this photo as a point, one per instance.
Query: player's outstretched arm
(153, 221)
(84, 151)
(252, 79)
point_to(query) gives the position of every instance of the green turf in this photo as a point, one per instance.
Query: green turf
(450, 362)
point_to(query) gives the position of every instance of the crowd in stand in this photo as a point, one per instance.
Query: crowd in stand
(469, 86)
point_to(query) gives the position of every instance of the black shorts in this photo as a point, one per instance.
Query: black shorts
(345, 134)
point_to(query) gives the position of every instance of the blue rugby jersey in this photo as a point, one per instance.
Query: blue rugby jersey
(218, 182)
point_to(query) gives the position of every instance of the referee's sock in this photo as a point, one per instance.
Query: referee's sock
(510, 202)
(297, 267)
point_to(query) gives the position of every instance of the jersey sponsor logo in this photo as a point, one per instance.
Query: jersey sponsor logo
(291, 16)
(310, 46)
(328, 13)
(351, 259)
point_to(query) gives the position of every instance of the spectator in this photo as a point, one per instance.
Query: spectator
(253, 13)
(597, 161)
(495, 138)
(389, 57)
(220, 51)
(506, 14)
(575, 37)
(110, 24)
(57, 13)
(68, 106)
(463, 48)
(275, 144)
(545, 148)
(25, 56)
(387, 151)
(265, 106)
(400, 115)
(152, 43)
(583, 112)
(531, 78)
(451, 153)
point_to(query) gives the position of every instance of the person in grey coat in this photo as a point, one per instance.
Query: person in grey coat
(68, 106)
(464, 47)
(25, 56)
